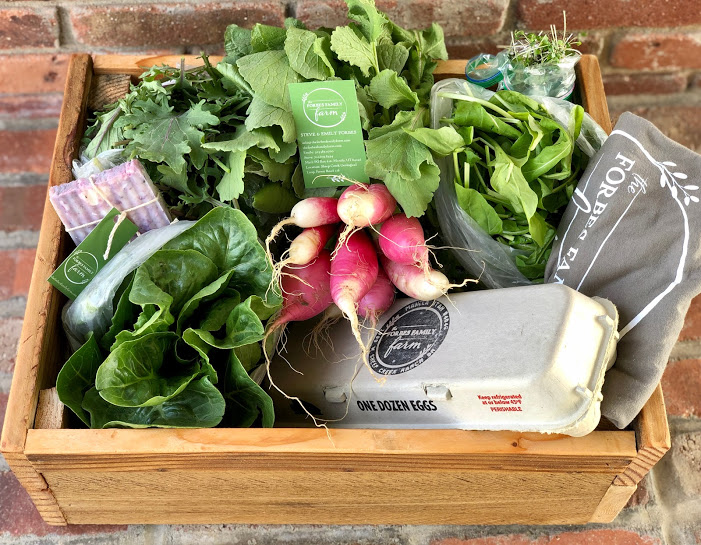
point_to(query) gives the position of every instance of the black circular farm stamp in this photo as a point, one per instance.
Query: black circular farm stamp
(409, 338)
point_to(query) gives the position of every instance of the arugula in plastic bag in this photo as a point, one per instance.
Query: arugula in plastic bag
(515, 171)
(185, 318)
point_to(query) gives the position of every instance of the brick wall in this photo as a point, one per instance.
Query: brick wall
(651, 57)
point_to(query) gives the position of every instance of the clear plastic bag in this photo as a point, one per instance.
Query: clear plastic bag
(482, 256)
(84, 167)
(542, 80)
(92, 310)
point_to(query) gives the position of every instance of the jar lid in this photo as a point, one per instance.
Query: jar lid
(483, 70)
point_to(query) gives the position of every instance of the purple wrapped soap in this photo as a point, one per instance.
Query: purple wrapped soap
(83, 203)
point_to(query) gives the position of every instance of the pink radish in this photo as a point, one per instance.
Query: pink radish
(306, 290)
(307, 293)
(362, 205)
(304, 248)
(378, 299)
(353, 272)
(415, 282)
(320, 332)
(311, 212)
(402, 241)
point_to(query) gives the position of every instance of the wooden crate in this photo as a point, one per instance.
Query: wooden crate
(292, 475)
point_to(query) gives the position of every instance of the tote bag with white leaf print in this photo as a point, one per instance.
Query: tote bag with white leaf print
(632, 234)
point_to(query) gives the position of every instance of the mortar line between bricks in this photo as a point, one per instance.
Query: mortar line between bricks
(686, 350)
(18, 240)
(22, 179)
(65, 28)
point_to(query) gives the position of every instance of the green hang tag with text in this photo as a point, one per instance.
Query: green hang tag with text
(329, 133)
(79, 268)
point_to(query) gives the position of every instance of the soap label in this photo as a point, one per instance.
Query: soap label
(79, 268)
(329, 133)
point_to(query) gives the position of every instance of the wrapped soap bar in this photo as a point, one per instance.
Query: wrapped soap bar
(83, 203)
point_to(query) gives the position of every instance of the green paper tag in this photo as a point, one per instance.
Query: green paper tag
(88, 258)
(329, 134)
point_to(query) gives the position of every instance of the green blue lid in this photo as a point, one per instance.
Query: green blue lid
(483, 70)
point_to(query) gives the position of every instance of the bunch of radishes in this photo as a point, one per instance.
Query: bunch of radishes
(312, 278)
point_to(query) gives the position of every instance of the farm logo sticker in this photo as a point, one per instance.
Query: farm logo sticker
(409, 338)
(81, 267)
(324, 107)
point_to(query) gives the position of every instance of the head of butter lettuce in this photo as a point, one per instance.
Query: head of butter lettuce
(184, 334)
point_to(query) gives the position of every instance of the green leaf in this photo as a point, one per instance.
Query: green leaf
(267, 38)
(246, 400)
(232, 80)
(77, 376)
(477, 207)
(396, 151)
(549, 157)
(431, 43)
(442, 142)
(199, 405)
(273, 198)
(237, 42)
(210, 292)
(260, 114)
(162, 136)
(507, 179)
(414, 195)
(244, 140)
(389, 90)
(392, 56)
(231, 183)
(242, 327)
(474, 114)
(130, 376)
(371, 22)
(249, 355)
(229, 239)
(538, 228)
(269, 73)
(354, 49)
(304, 58)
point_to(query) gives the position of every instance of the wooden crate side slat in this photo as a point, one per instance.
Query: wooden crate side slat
(37, 344)
(320, 497)
(614, 500)
(653, 439)
(591, 88)
(37, 488)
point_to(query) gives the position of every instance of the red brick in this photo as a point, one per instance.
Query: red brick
(34, 106)
(644, 84)
(585, 537)
(164, 25)
(21, 207)
(641, 497)
(19, 517)
(28, 27)
(585, 14)
(681, 384)
(26, 151)
(692, 322)
(474, 18)
(680, 123)
(33, 73)
(10, 329)
(658, 51)
(15, 272)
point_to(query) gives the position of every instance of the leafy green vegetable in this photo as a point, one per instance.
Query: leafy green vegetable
(515, 170)
(214, 135)
(202, 296)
